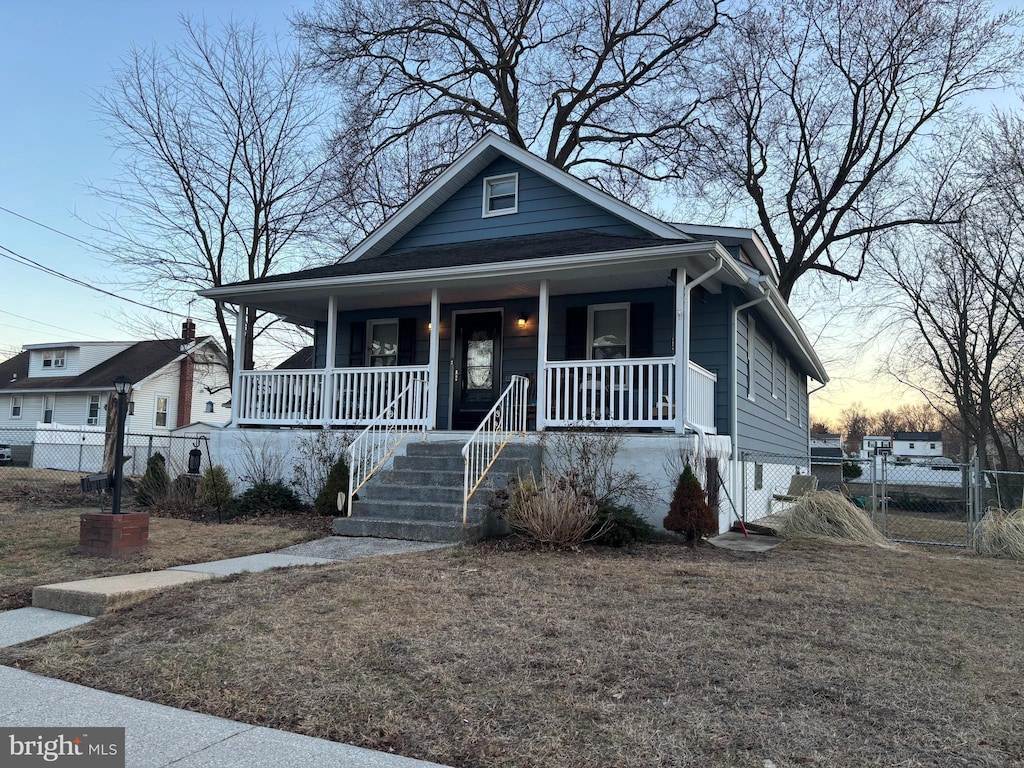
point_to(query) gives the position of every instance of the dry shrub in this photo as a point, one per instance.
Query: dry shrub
(828, 515)
(1002, 534)
(559, 512)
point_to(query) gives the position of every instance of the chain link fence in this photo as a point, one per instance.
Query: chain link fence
(52, 458)
(938, 502)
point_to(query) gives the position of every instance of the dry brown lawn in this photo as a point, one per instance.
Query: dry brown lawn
(38, 545)
(816, 654)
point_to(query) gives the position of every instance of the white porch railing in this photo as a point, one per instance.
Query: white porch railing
(506, 417)
(638, 392)
(372, 448)
(280, 397)
(700, 397)
(340, 397)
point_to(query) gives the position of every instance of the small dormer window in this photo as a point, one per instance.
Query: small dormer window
(53, 358)
(501, 194)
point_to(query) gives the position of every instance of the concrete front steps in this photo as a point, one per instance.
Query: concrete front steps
(420, 497)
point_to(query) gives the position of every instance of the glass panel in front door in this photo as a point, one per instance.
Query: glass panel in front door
(480, 361)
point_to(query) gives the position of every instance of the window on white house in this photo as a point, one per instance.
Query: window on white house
(15, 406)
(932, 446)
(161, 411)
(93, 416)
(608, 331)
(209, 406)
(47, 409)
(501, 194)
(382, 342)
(911, 445)
(53, 358)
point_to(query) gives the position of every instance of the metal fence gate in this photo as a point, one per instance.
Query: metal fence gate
(936, 503)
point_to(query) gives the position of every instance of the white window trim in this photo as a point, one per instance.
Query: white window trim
(590, 324)
(57, 358)
(17, 401)
(789, 390)
(52, 401)
(370, 325)
(751, 358)
(157, 411)
(513, 177)
(775, 383)
(92, 420)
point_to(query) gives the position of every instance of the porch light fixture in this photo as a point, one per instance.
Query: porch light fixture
(430, 326)
(521, 322)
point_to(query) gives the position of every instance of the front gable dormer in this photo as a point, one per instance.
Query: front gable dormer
(53, 361)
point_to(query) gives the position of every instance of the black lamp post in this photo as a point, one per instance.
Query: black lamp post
(122, 385)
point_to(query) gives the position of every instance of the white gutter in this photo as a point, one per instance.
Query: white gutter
(734, 430)
(683, 291)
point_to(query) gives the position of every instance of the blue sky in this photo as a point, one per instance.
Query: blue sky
(54, 55)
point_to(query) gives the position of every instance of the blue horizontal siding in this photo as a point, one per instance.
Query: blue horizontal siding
(543, 207)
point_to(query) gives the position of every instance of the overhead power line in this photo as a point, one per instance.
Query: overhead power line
(49, 325)
(17, 258)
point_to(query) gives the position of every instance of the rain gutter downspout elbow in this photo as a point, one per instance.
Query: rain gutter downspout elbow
(683, 378)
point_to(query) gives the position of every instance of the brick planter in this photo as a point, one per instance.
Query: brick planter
(107, 535)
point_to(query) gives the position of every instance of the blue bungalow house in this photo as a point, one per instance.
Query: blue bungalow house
(510, 296)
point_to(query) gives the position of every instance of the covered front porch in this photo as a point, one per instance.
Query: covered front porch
(604, 341)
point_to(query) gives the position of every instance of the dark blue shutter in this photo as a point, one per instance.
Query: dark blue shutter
(357, 344)
(576, 333)
(407, 341)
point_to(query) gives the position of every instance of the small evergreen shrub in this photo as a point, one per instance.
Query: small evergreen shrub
(326, 502)
(619, 525)
(216, 489)
(155, 484)
(851, 470)
(689, 514)
(267, 497)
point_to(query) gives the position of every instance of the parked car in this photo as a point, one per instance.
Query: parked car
(5, 453)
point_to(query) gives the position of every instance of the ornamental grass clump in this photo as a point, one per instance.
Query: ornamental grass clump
(828, 515)
(557, 513)
(1001, 534)
(689, 513)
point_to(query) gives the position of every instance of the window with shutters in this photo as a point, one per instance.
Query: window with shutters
(382, 342)
(608, 331)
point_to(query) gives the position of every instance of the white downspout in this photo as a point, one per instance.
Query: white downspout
(735, 480)
(683, 290)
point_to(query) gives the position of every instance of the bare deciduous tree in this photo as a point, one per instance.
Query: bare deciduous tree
(222, 174)
(607, 90)
(822, 105)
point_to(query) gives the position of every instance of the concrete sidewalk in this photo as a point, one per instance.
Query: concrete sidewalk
(158, 736)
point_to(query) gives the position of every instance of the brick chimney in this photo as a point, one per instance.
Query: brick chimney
(186, 376)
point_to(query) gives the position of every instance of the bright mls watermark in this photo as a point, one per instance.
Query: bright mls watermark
(79, 747)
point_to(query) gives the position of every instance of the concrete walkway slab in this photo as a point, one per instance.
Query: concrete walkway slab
(94, 597)
(24, 624)
(353, 547)
(251, 564)
(157, 736)
(737, 542)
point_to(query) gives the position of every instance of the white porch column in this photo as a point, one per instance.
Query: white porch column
(236, 379)
(433, 375)
(542, 354)
(682, 348)
(327, 396)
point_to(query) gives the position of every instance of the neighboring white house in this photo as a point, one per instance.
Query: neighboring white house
(175, 382)
(871, 445)
(916, 445)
